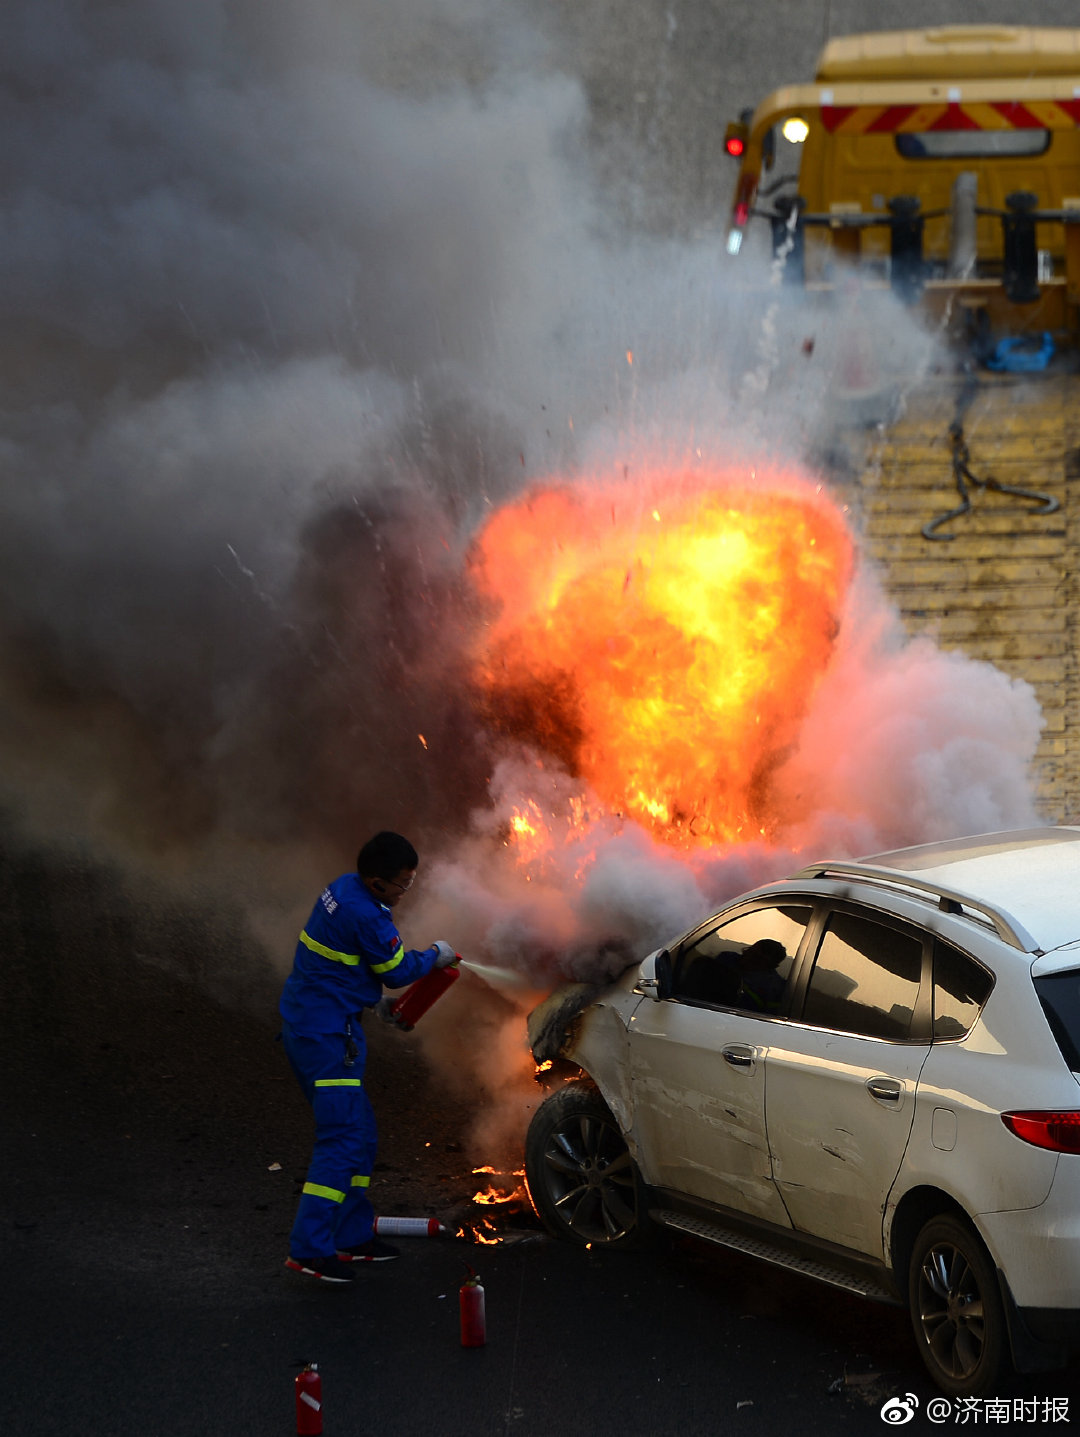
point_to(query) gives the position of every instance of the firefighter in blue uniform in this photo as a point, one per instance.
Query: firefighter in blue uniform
(348, 950)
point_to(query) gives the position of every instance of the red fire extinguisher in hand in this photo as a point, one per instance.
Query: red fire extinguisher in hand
(309, 1401)
(405, 1012)
(473, 1316)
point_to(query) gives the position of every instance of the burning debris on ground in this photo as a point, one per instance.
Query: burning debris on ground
(498, 1211)
(509, 1189)
(506, 1196)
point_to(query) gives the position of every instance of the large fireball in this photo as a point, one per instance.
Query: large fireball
(662, 637)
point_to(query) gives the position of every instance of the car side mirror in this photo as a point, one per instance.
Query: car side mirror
(656, 976)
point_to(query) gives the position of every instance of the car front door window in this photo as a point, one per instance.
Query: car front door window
(743, 963)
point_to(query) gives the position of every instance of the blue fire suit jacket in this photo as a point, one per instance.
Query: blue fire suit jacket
(348, 949)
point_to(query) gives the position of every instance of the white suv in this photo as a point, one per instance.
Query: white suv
(869, 1072)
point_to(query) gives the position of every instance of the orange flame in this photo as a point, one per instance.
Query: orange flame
(476, 1234)
(489, 1196)
(528, 831)
(661, 638)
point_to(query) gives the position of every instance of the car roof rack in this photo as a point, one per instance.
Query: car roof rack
(949, 900)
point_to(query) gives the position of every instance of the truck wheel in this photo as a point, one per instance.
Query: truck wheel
(956, 1309)
(580, 1175)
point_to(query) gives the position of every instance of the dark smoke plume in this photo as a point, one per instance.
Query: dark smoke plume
(252, 257)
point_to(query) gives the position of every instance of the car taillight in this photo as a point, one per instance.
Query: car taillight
(1060, 1132)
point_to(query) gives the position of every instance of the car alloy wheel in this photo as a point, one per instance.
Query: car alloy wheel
(956, 1308)
(580, 1174)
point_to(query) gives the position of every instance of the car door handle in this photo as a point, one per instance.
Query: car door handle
(886, 1090)
(739, 1055)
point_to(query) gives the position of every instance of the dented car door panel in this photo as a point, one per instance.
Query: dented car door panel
(839, 1112)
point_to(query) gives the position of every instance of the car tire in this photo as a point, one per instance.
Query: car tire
(581, 1178)
(956, 1309)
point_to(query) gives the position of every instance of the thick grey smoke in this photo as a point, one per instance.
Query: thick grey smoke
(249, 298)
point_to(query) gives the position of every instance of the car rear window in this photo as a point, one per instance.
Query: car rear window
(1059, 994)
(961, 987)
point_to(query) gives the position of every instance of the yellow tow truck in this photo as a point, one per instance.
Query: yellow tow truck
(944, 165)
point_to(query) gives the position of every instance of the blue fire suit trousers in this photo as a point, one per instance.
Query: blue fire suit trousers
(334, 1210)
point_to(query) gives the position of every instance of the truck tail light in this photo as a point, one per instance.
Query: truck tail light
(735, 137)
(1060, 1132)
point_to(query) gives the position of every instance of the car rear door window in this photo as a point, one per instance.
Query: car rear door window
(745, 962)
(961, 987)
(866, 978)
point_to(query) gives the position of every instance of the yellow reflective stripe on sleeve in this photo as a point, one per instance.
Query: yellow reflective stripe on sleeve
(338, 1082)
(351, 960)
(317, 1190)
(385, 967)
(359, 1182)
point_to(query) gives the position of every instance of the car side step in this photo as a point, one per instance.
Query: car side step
(778, 1256)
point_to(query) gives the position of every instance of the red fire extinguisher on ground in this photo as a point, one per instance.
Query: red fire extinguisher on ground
(309, 1401)
(407, 1011)
(473, 1316)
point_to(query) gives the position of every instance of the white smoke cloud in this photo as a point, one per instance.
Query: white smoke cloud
(906, 742)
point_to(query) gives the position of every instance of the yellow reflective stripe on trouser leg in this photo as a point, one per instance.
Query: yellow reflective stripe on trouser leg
(360, 1182)
(338, 1082)
(393, 962)
(317, 1190)
(351, 960)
